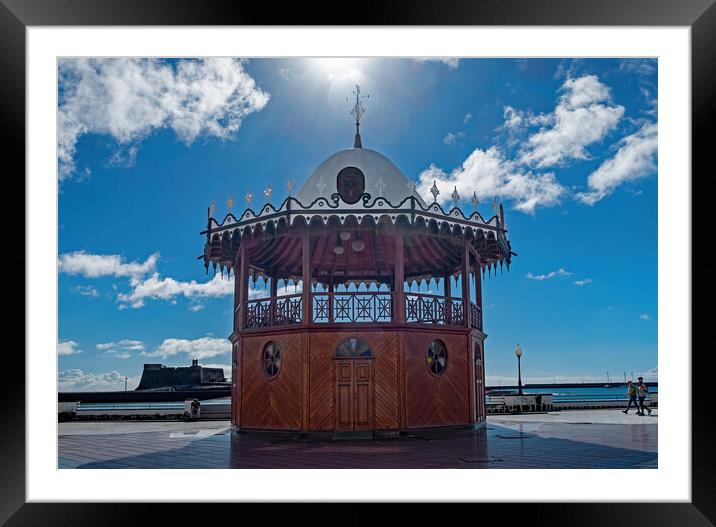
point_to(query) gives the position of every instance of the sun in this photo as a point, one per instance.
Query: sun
(339, 70)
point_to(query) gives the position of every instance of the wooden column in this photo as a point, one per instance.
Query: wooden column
(447, 287)
(307, 319)
(241, 296)
(241, 285)
(478, 281)
(306, 279)
(331, 289)
(273, 286)
(399, 317)
(399, 274)
(466, 281)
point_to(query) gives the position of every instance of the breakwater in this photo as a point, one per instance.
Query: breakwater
(143, 396)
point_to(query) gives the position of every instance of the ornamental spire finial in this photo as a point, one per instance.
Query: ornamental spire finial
(357, 112)
(455, 197)
(434, 191)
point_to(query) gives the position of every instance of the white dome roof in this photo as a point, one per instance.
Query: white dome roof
(382, 177)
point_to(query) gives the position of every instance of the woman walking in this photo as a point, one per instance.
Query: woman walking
(631, 393)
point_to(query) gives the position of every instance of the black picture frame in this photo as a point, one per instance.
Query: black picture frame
(17, 15)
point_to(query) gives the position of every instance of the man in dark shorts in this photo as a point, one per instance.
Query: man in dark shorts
(643, 390)
(631, 393)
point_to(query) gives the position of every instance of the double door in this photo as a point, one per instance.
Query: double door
(353, 402)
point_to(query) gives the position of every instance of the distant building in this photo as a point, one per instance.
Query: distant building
(158, 377)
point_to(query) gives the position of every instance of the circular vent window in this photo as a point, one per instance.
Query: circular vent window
(437, 357)
(272, 359)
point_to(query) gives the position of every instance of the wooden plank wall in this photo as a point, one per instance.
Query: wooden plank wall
(436, 400)
(271, 403)
(276, 404)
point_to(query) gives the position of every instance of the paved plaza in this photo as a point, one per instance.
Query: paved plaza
(568, 439)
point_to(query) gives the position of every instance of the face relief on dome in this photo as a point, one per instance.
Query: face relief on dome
(351, 184)
(380, 178)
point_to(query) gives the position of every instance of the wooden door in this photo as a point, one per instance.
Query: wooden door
(353, 394)
(479, 384)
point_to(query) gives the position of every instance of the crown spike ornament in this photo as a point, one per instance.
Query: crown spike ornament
(455, 197)
(267, 192)
(249, 196)
(475, 201)
(230, 203)
(289, 186)
(434, 191)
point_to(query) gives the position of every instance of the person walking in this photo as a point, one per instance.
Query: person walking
(643, 390)
(631, 393)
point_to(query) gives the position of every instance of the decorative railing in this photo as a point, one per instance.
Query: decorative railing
(275, 311)
(357, 308)
(432, 309)
(475, 316)
(352, 308)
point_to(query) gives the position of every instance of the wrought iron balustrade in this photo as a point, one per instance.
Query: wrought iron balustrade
(358, 308)
(433, 309)
(274, 311)
(355, 308)
(475, 316)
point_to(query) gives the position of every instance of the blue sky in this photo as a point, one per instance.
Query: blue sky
(146, 146)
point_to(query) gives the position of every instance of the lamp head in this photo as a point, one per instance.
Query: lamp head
(518, 351)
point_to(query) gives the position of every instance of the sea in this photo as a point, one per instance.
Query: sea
(577, 394)
(561, 394)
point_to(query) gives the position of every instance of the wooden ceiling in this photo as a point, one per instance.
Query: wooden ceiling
(427, 252)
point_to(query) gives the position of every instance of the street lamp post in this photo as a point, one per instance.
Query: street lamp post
(518, 352)
(125, 384)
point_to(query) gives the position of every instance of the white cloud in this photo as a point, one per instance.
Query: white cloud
(77, 380)
(67, 347)
(168, 288)
(516, 119)
(489, 174)
(635, 159)
(645, 316)
(552, 274)
(85, 290)
(130, 98)
(452, 138)
(142, 287)
(451, 62)
(122, 349)
(97, 265)
(583, 116)
(584, 282)
(283, 289)
(467, 118)
(201, 348)
(642, 67)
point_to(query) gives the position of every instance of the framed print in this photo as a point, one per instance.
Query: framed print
(332, 262)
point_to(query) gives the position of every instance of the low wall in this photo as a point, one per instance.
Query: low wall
(207, 413)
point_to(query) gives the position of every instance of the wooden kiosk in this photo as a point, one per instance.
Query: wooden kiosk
(354, 348)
